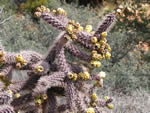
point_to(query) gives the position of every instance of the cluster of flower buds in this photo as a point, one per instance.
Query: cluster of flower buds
(72, 76)
(40, 10)
(72, 29)
(40, 99)
(108, 104)
(88, 28)
(2, 57)
(100, 79)
(80, 76)
(107, 101)
(20, 61)
(102, 50)
(16, 95)
(84, 76)
(59, 11)
(94, 100)
(43, 9)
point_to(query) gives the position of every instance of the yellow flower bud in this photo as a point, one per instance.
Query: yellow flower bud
(43, 8)
(2, 60)
(17, 95)
(10, 92)
(94, 97)
(38, 101)
(47, 10)
(103, 34)
(77, 25)
(54, 11)
(70, 75)
(101, 82)
(97, 56)
(23, 62)
(38, 9)
(73, 37)
(110, 106)
(1, 53)
(72, 22)
(80, 28)
(93, 104)
(80, 75)
(67, 37)
(94, 52)
(94, 39)
(18, 65)
(97, 45)
(69, 28)
(44, 97)
(102, 42)
(98, 83)
(74, 77)
(102, 74)
(106, 98)
(107, 55)
(86, 75)
(90, 110)
(96, 64)
(19, 58)
(39, 69)
(88, 28)
(109, 49)
(59, 10)
(1, 74)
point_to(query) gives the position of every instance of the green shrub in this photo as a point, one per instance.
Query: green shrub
(32, 4)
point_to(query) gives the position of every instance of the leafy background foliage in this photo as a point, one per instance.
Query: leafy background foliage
(128, 71)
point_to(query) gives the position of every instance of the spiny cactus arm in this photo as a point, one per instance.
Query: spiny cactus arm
(30, 83)
(63, 66)
(63, 19)
(22, 60)
(25, 59)
(106, 24)
(6, 109)
(30, 108)
(10, 58)
(84, 38)
(76, 68)
(56, 46)
(61, 62)
(50, 105)
(62, 108)
(5, 97)
(41, 68)
(70, 95)
(6, 71)
(97, 110)
(49, 18)
(16, 86)
(104, 103)
(75, 51)
(79, 104)
(44, 83)
(31, 56)
(18, 103)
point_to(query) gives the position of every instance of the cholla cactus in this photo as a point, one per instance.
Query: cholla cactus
(52, 76)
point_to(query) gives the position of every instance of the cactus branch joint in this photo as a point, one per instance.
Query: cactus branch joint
(53, 76)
